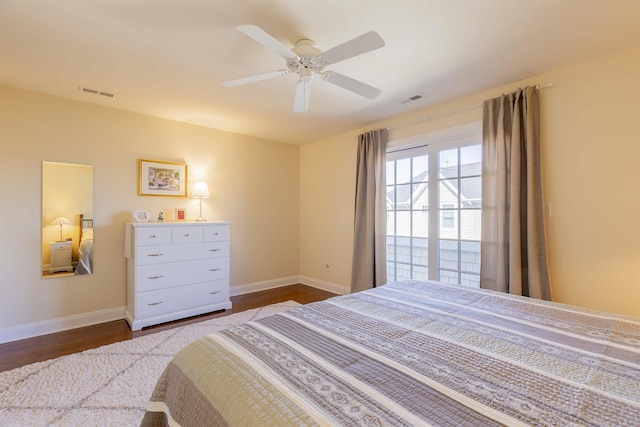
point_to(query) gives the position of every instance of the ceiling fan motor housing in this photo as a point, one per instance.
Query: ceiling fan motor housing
(308, 57)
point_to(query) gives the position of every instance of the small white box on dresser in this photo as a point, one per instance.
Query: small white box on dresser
(176, 270)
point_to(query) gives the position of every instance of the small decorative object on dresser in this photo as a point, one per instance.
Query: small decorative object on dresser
(181, 214)
(141, 216)
(176, 271)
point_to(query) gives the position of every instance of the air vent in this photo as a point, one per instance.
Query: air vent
(413, 98)
(96, 91)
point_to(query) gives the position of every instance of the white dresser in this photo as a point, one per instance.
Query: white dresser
(175, 270)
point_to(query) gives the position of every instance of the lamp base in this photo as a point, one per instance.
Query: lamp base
(200, 218)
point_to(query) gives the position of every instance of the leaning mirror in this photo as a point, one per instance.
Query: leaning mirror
(67, 219)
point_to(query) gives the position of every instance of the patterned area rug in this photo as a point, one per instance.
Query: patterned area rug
(107, 386)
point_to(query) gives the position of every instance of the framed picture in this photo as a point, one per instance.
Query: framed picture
(162, 179)
(141, 216)
(181, 214)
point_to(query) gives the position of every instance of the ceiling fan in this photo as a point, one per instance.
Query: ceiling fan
(305, 59)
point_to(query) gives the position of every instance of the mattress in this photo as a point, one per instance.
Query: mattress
(407, 354)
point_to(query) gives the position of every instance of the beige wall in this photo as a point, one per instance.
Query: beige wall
(254, 183)
(292, 207)
(591, 148)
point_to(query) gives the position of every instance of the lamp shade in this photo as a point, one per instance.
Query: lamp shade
(61, 221)
(200, 190)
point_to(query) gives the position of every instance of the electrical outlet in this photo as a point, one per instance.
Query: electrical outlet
(327, 267)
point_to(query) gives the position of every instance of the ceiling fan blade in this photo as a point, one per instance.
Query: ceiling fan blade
(353, 85)
(262, 37)
(362, 44)
(303, 92)
(255, 78)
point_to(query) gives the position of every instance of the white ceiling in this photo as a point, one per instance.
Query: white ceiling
(169, 58)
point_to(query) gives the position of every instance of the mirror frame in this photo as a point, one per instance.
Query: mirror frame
(67, 192)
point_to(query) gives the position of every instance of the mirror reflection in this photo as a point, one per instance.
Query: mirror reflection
(67, 219)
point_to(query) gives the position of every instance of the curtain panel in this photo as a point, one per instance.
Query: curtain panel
(514, 253)
(369, 265)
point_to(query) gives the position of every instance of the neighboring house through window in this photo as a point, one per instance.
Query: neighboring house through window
(448, 215)
(433, 206)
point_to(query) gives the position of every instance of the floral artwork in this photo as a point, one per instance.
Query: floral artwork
(162, 179)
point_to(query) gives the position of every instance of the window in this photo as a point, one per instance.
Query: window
(448, 215)
(434, 209)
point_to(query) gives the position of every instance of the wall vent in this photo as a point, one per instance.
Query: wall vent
(413, 98)
(96, 91)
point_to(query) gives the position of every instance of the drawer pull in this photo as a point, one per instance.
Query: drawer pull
(186, 235)
(215, 234)
(155, 277)
(152, 236)
(155, 254)
(214, 269)
(215, 250)
(214, 292)
(155, 303)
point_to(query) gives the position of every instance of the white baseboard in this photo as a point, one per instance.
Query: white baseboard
(286, 281)
(263, 286)
(30, 330)
(325, 286)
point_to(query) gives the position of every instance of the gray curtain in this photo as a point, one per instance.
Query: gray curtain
(514, 254)
(369, 267)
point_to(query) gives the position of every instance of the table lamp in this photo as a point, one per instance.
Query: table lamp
(200, 191)
(61, 221)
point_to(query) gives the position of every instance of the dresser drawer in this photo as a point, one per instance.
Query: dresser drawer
(149, 236)
(217, 249)
(215, 233)
(167, 275)
(145, 255)
(181, 235)
(59, 246)
(156, 303)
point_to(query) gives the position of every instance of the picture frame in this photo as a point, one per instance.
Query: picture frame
(181, 214)
(141, 216)
(156, 178)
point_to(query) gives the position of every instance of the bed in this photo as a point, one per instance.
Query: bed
(406, 354)
(85, 248)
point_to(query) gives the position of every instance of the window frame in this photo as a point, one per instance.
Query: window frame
(431, 144)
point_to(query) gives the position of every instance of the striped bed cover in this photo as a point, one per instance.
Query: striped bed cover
(410, 353)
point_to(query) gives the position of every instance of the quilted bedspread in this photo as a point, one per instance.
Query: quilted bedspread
(410, 354)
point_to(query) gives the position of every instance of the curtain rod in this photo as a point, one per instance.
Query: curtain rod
(457, 110)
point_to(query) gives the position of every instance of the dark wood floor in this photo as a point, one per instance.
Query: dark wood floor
(24, 352)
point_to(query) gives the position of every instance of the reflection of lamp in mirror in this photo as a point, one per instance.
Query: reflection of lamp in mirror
(200, 191)
(61, 221)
